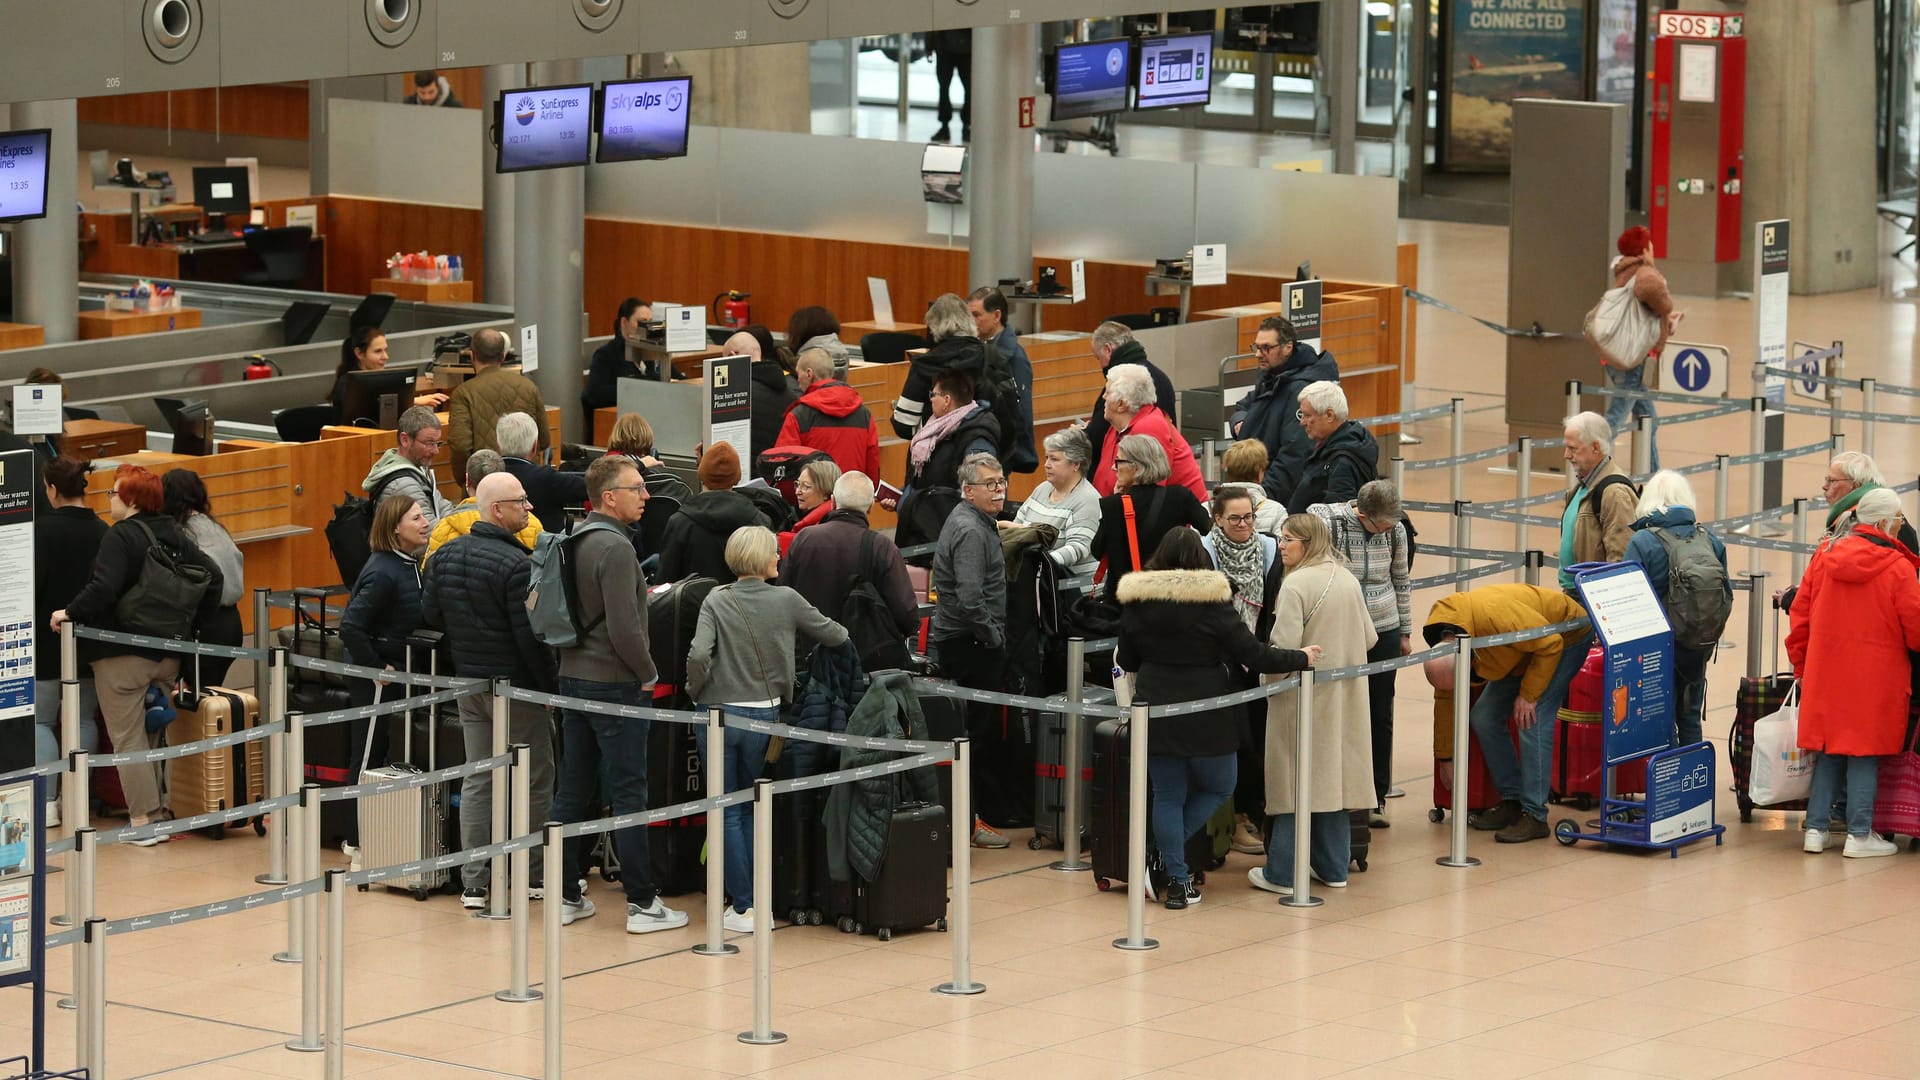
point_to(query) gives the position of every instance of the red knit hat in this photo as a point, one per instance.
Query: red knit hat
(1635, 241)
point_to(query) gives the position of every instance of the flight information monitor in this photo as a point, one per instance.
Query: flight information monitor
(1090, 79)
(645, 119)
(544, 127)
(1174, 71)
(23, 174)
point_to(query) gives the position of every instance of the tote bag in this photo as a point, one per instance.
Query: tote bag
(1622, 328)
(1782, 771)
(1896, 799)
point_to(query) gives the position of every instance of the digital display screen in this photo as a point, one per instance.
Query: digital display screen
(1090, 79)
(23, 174)
(1175, 71)
(645, 119)
(545, 127)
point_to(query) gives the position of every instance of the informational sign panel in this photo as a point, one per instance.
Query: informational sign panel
(1637, 698)
(882, 300)
(36, 409)
(1808, 385)
(20, 875)
(1502, 50)
(23, 174)
(729, 410)
(1691, 367)
(545, 127)
(1209, 264)
(1174, 71)
(1302, 300)
(1079, 280)
(1680, 793)
(686, 328)
(529, 349)
(1770, 266)
(16, 587)
(644, 120)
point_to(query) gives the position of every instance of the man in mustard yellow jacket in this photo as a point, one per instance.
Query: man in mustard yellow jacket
(458, 521)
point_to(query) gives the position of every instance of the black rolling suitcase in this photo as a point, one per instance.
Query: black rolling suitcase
(674, 776)
(1107, 807)
(910, 891)
(801, 892)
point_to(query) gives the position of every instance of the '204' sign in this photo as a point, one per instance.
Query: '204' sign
(1694, 24)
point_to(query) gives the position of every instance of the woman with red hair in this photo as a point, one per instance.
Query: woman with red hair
(122, 673)
(1635, 265)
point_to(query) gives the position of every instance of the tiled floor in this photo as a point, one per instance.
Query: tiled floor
(1751, 959)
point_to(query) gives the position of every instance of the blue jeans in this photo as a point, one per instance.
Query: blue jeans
(745, 759)
(1862, 780)
(1618, 407)
(1523, 776)
(1329, 847)
(46, 725)
(593, 743)
(1186, 792)
(1690, 687)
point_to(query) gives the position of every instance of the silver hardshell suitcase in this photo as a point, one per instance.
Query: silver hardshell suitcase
(412, 824)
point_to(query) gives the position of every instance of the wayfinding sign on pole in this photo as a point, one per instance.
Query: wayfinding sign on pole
(1770, 266)
(729, 401)
(1302, 302)
(1689, 367)
(1808, 384)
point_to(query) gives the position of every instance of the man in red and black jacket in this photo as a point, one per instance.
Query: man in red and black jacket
(829, 417)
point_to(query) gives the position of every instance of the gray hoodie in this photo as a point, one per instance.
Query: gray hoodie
(409, 480)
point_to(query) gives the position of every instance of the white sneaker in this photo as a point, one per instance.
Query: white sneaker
(53, 814)
(1815, 843)
(1868, 847)
(653, 918)
(572, 911)
(1257, 877)
(737, 922)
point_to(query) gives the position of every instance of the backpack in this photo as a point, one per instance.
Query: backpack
(673, 614)
(869, 621)
(1001, 391)
(1698, 601)
(553, 594)
(347, 533)
(166, 595)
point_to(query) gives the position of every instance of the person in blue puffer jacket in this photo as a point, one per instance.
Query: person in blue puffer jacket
(385, 607)
(1667, 506)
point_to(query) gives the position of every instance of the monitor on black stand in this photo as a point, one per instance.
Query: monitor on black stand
(192, 425)
(301, 320)
(372, 311)
(220, 190)
(377, 398)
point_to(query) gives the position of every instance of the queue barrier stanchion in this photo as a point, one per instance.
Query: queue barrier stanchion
(75, 784)
(1799, 537)
(1397, 471)
(714, 763)
(1457, 472)
(296, 832)
(335, 1035)
(1073, 750)
(283, 774)
(1757, 599)
(1137, 939)
(961, 923)
(763, 1033)
(308, 909)
(1869, 387)
(1456, 856)
(1536, 561)
(519, 875)
(496, 908)
(1643, 446)
(94, 1051)
(1302, 894)
(1522, 494)
(552, 1040)
(85, 846)
(1722, 479)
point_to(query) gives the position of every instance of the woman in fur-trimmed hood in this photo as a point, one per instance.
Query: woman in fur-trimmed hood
(1178, 633)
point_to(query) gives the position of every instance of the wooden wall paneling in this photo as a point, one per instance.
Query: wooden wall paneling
(268, 110)
(1405, 310)
(362, 233)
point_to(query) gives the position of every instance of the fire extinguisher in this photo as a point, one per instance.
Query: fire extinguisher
(259, 367)
(733, 314)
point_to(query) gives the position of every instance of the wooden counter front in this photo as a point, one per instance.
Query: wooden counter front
(109, 324)
(90, 439)
(15, 335)
(434, 292)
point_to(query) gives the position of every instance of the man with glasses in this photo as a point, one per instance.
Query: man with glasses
(1849, 476)
(407, 469)
(1268, 412)
(969, 628)
(476, 593)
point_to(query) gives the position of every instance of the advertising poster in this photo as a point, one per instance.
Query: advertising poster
(729, 416)
(1613, 46)
(1680, 794)
(19, 846)
(1503, 50)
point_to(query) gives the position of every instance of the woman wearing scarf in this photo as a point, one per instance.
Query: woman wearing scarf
(1849, 476)
(959, 427)
(1250, 561)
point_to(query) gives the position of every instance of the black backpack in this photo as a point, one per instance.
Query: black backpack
(352, 524)
(166, 595)
(869, 621)
(1001, 391)
(673, 613)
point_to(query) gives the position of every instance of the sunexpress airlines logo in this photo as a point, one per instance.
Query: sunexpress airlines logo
(523, 111)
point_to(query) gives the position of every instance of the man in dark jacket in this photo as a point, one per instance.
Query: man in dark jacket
(772, 394)
(988, 306)
(956, 348)
(830, 417)
(824, 559)
(609, 663)
(695, 540)
(969, 628)
(1344, 454)
(1287, 365)
(476, 592)
(550, 492)
(1113, 344)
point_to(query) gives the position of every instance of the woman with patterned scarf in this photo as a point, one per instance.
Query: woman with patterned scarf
(1250, 560)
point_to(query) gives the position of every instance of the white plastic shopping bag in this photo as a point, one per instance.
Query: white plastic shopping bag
(1782, 771)
(1622, 328)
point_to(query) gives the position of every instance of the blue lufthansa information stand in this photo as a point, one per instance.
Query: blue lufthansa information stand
(23, 905)
(1637, 703)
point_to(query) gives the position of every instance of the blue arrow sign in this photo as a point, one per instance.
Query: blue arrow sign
(1810, 375)
(1692, 369)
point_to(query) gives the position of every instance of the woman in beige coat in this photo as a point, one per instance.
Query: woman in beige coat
(1319, 602)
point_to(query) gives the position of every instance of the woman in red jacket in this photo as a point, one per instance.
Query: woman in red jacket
(1131, 411)
(1856, 620)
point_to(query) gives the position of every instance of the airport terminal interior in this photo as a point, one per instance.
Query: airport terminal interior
(1739, 956)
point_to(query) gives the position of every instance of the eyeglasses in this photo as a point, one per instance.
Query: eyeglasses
(941, 394)
(1263, 349)
(995, 484)
(1285, 539)
(522, 501)
(1832, 480)
(622, 487)
(802, 485)
(431, 444)
(1122, 461)
(1239, 519)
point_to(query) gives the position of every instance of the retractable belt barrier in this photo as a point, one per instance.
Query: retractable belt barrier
(1534, 331)
(1712, 407)
(604, 708)
(178, 645)
(1464, 459)
(389, 708)
(1845, 414)
(371, 674)
(408, 783)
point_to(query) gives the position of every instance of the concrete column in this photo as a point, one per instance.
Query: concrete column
(496, 197)
(1343, 83)
(549, 236)
(46, 258)
(1000, 195)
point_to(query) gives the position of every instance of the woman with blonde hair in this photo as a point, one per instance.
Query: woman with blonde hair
(632, 437)
(1320, 602)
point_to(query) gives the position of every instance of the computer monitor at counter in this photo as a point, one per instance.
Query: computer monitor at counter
(220, 190)
(377, 398)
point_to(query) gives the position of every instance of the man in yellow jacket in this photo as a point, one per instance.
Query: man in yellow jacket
(459, 521)
(1517, 676)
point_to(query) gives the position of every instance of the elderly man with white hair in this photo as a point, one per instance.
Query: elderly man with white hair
(549, 491)
(1849, 477)
(1131, 410)
(1344, 455)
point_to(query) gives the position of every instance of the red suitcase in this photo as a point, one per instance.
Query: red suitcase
(1481, 794)
(1577, 776)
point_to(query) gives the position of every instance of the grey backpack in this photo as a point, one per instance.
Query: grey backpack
(1698, 601)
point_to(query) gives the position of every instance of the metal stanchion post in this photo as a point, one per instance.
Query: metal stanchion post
(280, 777)
(94, 1059)
(502, 778)
(1072, 784)
(1722, 477)
(1573, 396)
(961, 922)
(1458, 526)
(1302, 894)
(520, 875)
(1522, 491)
(1867, 393)
(308, 909)
(81, 871)
(1456, 855)
(714, 761)
(1799, 536)
(1756, 621)
(1137, 939)
(1643, 446)
(73, 789)
(296, 830)
(336, 1027)
(262, 637)
(1756, 473)
(551, 853)
(763, 1033)
(1209, 461)
(1536, 562)
(1397, 471)
(1457, 472)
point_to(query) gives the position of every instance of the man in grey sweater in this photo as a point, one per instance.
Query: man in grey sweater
(610, 663)
(969, 629)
